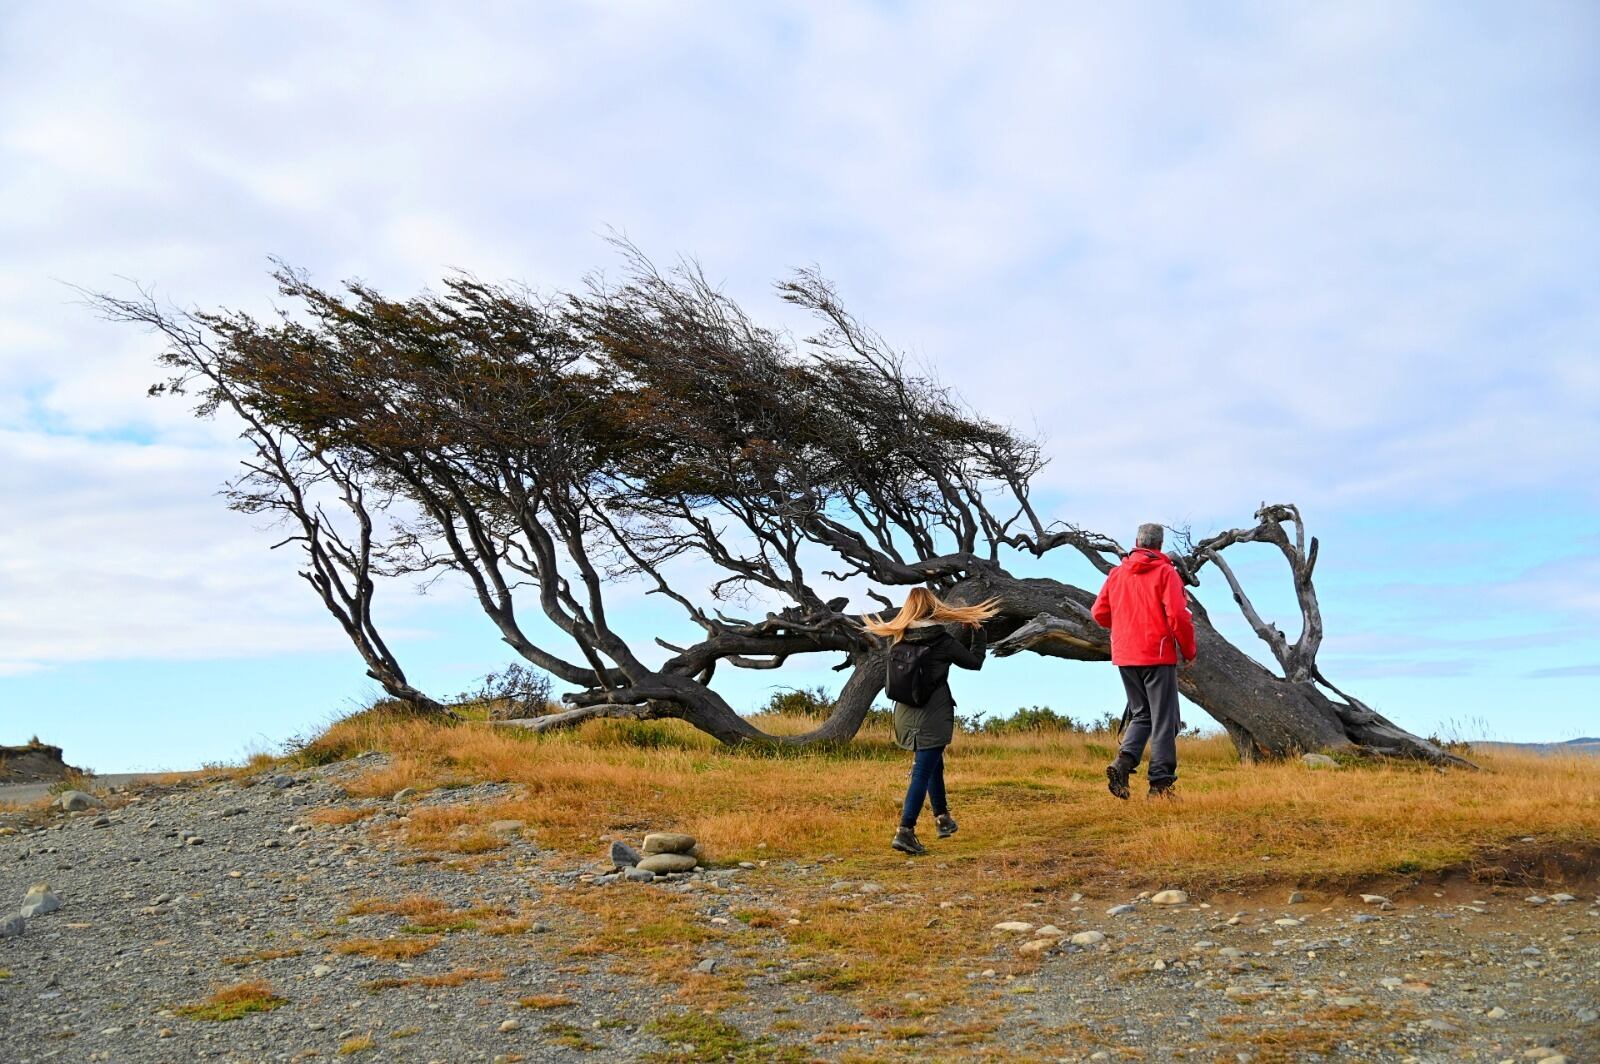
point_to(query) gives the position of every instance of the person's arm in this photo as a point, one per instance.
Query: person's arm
(968, 657)
(1179, 619)
(1102, 603)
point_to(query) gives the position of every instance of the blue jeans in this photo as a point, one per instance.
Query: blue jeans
(927, 782)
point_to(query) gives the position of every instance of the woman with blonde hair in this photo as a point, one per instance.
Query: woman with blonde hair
(921, 652)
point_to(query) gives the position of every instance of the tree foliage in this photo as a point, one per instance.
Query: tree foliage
(545, 448)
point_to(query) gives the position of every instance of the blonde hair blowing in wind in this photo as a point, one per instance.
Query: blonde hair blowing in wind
(924, 605)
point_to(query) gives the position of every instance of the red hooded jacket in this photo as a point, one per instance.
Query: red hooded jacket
(1144, 606)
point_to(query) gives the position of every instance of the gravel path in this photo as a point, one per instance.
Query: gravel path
(26, 793)
(152, 920)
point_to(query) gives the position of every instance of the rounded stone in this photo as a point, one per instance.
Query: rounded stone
(74, 801)
(667, 862)
(668, 842)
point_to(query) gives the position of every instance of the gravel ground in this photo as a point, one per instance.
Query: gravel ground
(152, 920)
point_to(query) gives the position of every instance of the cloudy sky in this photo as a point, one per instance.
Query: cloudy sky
(1345, 255)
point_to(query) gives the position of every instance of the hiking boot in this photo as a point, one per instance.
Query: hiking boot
(905, 840)
(1163, 792)
(947, 825)
(1117, 780)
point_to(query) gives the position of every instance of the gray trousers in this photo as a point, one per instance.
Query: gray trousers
(1153, 718)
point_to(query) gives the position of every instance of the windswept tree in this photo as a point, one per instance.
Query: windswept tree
(545, 449)
(323, 500)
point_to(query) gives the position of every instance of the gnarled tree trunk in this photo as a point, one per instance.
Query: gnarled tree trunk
(1266, 715)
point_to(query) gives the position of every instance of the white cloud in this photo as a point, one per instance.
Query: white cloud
(1331, 254)
(118, 550)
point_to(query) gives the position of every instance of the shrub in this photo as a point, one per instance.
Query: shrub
(801, 702)
(510, 694)
(816, 704)
(1026, 719)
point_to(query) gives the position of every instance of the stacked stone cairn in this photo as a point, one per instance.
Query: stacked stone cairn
(663, 853)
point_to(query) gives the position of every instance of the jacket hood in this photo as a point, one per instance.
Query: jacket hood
(1143, 559)
(923, 633)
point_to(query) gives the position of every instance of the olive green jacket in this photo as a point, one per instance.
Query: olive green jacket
(934, 724)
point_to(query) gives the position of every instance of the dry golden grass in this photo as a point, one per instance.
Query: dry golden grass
(546, 1001)
(388, 949)
(261, 955)
(1036, 823)
(518, 926)
(416, 907)
(1313, 1032)
(431, 916)
(453, 978)
(359, 1044)
(340, 816)
(1040, 794)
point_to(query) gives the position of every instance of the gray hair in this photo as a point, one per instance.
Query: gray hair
(1149, 536)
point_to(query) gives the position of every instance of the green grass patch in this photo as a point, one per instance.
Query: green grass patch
(715, 1039)
(569, 1035)
(233, 1002)
(449, 928)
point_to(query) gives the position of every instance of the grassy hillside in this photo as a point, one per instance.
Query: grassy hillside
(1033, 807)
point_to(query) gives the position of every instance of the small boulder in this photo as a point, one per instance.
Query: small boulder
(1016, 927)
(1296, 898)
(1088, 938)
(667, 862)
(1050, 931)
(1170, 897)
(638, 875)
(623, 855)
(12, 926)
(668, 842)
(1318, 761)
(74, 801)
(1038, 945)
(1119, 910)
(39, 900)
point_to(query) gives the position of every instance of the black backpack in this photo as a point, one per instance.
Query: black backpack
(908, 678)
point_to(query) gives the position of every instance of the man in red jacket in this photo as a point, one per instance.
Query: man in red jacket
(1143, 604)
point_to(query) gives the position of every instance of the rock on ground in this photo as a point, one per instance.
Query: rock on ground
(668, 842)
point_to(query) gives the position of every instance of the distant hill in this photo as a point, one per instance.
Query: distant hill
(33, 763)
(1586, 745)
